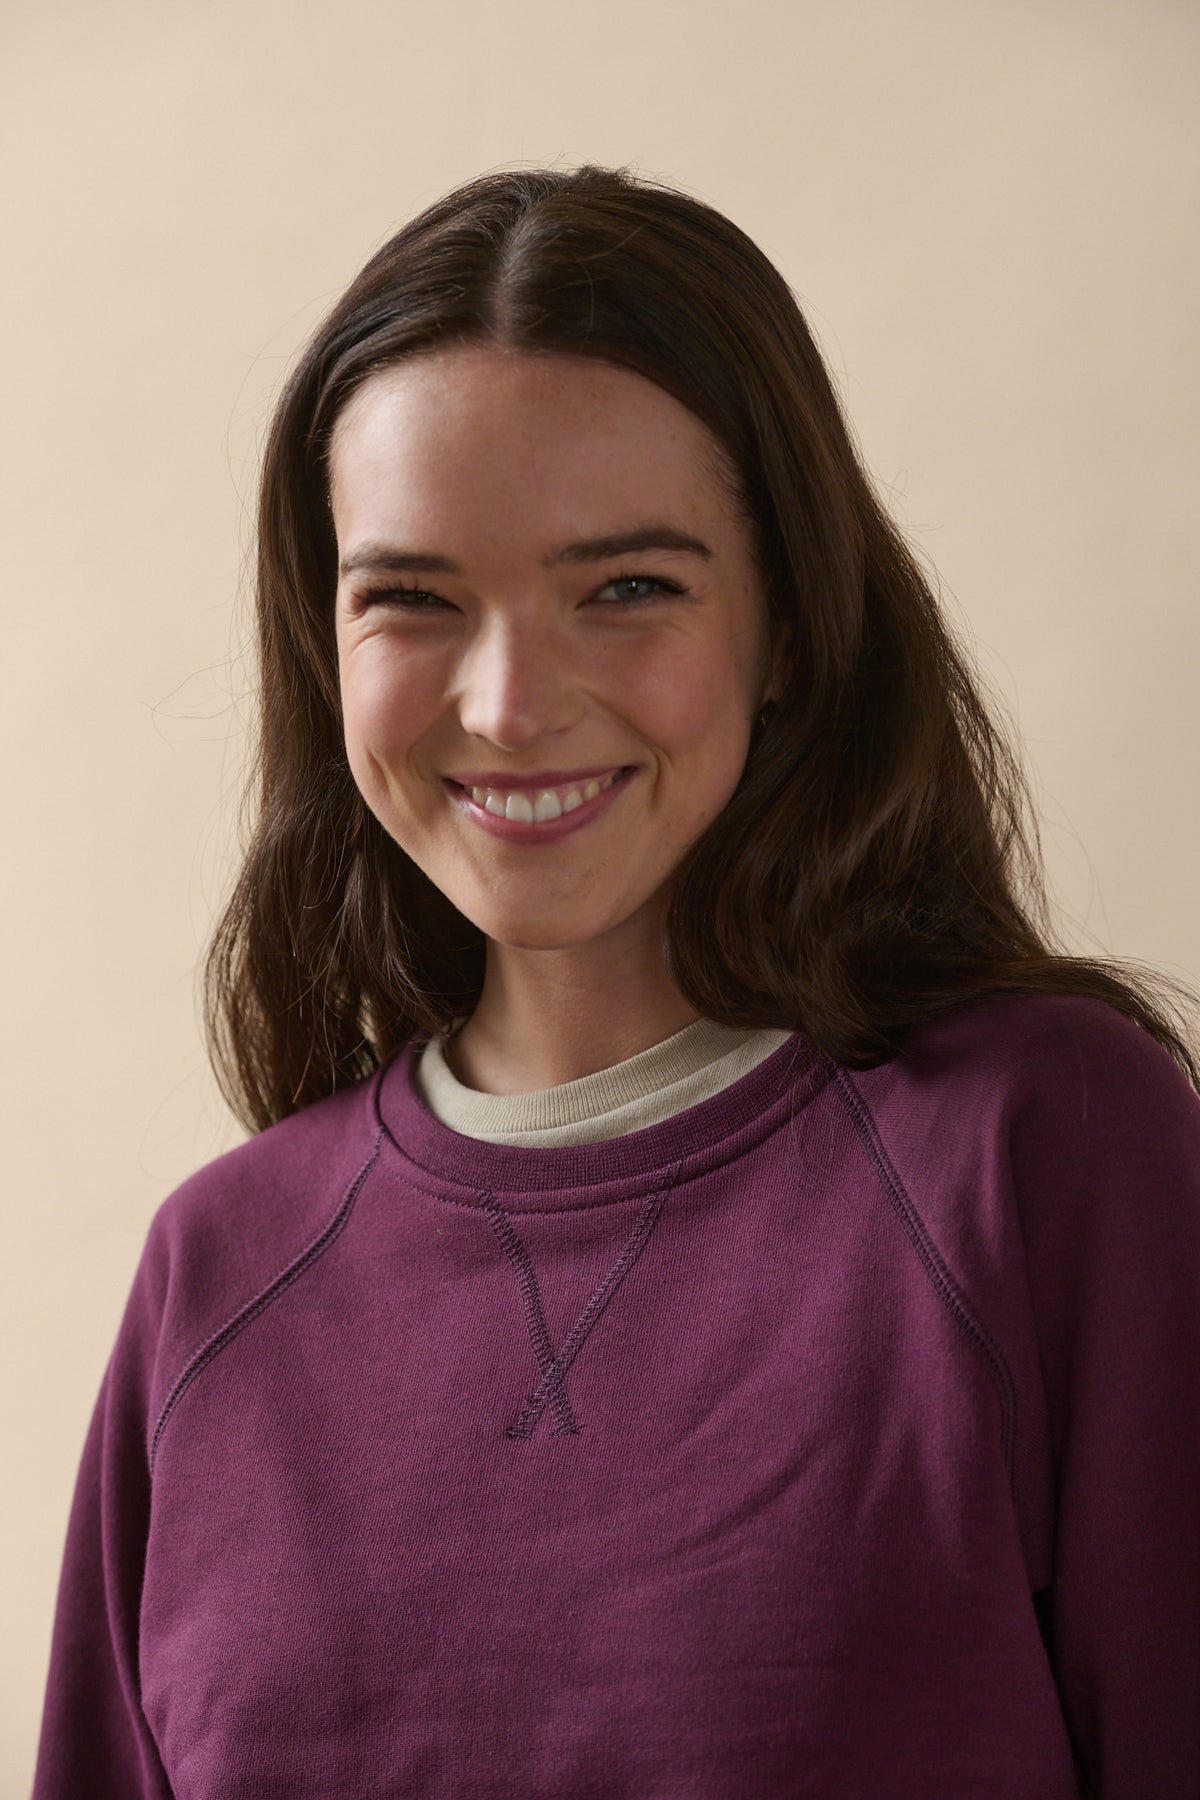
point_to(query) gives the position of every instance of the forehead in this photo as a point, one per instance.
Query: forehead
(549, 444)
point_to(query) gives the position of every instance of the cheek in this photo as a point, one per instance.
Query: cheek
(694, 702)
(388, 701)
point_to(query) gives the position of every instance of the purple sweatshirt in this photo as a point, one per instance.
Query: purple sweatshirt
(838, 1437)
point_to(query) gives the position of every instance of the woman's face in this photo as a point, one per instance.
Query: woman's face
(545, 700)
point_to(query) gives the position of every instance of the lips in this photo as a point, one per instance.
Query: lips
(530, 810)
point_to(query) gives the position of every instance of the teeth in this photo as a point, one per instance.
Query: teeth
(550, 803)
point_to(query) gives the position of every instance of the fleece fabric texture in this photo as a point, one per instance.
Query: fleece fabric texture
(834, 1438)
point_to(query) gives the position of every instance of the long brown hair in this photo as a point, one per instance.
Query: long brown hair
(880, 861)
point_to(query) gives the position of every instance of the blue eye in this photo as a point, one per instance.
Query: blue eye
(644, 581)
(415, 599)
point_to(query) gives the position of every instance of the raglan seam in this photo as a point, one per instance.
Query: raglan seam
(244, 1315)
(936, 1269)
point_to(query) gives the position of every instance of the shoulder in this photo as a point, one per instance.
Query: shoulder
(229, 1230)
(275, 1178)
(1038, 1120)
(1055, 1057)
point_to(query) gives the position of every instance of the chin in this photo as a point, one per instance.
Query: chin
(537, 935)
(555, 928)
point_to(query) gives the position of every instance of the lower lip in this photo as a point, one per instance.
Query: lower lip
(552, 831)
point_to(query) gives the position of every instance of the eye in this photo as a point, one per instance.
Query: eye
(655, 582)
(407, 599)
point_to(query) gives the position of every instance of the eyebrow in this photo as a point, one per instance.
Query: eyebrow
(583, 550)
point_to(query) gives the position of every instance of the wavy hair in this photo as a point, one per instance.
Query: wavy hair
(880, 860)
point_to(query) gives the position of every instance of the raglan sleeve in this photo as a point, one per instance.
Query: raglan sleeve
(95, 1740)
(1107, 1167)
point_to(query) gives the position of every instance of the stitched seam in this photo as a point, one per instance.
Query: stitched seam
(696, 1161)
(515, 1212)
(481, 1196)
(535, 1315)
(644, 1225)
(553, 1373)
(248, 1313)
(943, 1282)
(605, 1291)
(576, 1338)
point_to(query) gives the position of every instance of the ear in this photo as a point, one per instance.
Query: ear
(779, 660)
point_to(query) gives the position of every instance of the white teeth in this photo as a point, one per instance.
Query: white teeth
(550, 803)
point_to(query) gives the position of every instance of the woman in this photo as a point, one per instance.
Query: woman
(710, 1307)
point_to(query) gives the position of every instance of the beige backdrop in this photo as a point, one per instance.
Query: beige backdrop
(990, 214)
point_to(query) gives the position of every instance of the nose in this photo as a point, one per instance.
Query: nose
(515, 683)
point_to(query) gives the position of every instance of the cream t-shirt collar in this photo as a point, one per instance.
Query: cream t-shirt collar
(685, 1069)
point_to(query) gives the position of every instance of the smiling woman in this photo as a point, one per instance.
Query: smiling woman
(708, 1307)
(612, 700)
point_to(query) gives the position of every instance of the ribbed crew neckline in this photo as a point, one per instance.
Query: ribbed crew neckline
(462, 1169)
(642, 1090)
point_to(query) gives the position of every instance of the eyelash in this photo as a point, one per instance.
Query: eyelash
(402, 597)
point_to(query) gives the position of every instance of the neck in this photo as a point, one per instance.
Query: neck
(549, 1016)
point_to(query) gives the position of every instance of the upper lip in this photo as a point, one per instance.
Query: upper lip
(547, 778)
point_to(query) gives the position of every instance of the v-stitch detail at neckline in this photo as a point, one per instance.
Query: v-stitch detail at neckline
(553, 1365)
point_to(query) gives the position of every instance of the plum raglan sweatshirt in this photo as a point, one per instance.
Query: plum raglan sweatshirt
(838, 1436)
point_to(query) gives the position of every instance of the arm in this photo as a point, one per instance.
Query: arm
(94, 1738)
(1108, 1182)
